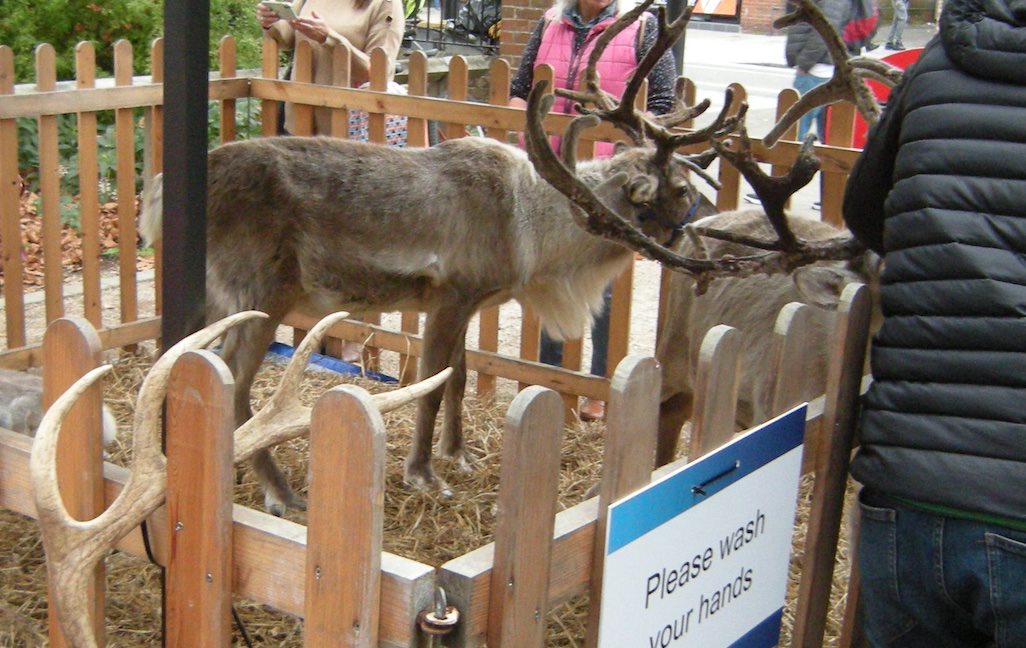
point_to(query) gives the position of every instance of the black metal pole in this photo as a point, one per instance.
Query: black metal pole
(675, 8)
(186, 71)
(186, 75)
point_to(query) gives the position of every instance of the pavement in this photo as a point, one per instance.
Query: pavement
(714, 58)
(704, 44)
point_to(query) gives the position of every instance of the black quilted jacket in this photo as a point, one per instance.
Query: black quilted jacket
(940, 191)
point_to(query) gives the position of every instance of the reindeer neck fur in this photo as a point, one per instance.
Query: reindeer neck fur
(568, 268)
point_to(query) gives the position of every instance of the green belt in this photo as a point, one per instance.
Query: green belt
(948, 511)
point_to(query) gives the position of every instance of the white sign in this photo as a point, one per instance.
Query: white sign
(700, 557)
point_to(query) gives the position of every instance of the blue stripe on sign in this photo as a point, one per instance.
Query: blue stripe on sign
(664, 500)
(766, 634)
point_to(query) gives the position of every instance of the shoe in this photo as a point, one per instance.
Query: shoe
(752, 199)
(817, 205)
(895, 46)
(872, 46)
(592, 410)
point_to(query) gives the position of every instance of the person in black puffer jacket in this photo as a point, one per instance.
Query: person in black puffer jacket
(940, 192)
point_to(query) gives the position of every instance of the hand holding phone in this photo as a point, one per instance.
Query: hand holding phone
(282, 9)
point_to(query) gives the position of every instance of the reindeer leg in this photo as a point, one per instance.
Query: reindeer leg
(674, 412)
(444, 329)
(452, 427)
(244, 350)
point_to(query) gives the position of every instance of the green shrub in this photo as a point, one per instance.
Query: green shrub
(28, 23)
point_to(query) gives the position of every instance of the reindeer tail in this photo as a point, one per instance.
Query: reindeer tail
(152, 217)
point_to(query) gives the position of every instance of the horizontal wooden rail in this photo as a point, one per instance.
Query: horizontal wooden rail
(269, 553)
(114, 337)
(487, 362)
(58, 102)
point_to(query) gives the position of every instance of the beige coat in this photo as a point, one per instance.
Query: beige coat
(378, 23)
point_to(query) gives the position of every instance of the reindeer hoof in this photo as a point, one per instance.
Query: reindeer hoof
(464, 463)
(426, 480)
(279, 506)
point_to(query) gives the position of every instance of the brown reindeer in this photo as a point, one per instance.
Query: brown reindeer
(327, 224)
(751, 305)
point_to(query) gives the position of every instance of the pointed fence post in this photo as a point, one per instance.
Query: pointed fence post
(632, 421)
(528, 486)
(200, 483)
(71, 348)
(346, 504)
(843, 384)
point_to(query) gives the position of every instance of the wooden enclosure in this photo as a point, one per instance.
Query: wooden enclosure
(366, 597)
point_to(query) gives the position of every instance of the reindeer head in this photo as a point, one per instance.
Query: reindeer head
(649, 196)
(656, 197)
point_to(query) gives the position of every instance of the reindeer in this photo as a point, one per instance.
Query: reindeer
(750, 304)
(328, 224)
(21, 405)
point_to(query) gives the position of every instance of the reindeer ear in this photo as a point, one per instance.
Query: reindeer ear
(821, 286)
(641, 189)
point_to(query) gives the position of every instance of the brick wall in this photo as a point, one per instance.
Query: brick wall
(757, 16)
(519, 18)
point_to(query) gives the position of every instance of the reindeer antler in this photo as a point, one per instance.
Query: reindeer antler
(847, 82)
(74, 547)
(623, 113)
(283, 417)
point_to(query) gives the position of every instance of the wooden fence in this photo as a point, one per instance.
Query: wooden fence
(294, 568)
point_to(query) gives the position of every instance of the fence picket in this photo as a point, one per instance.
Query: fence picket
(10, 208)
(716, 386)
(269, 108)
(347, 456)
(839, 133)
(200, 482)
(631, 426)
(125, 137)
(379, 76)
(843, 383)
(154, 163)
(50, 187)
(488, 318)
(458, 89)
(302, 72)
(728, 197)
(226, 59)
(790, 350)
(528, 487)
(70, 349)
(88, 194)
(340, 75)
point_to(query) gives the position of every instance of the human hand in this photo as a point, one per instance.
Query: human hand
(312, 26)
(265, 16)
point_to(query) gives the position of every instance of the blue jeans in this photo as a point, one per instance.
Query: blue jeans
(937, 582)
(551, 351)
(803, 83)
(898, 22)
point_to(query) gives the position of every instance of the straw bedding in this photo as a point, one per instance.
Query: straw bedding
(417, 525)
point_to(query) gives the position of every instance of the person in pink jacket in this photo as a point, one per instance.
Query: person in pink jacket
(564, 39)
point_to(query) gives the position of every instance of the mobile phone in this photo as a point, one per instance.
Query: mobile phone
(283, 9)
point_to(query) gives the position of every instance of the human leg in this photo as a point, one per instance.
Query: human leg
(804, 82)
(898, 23)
